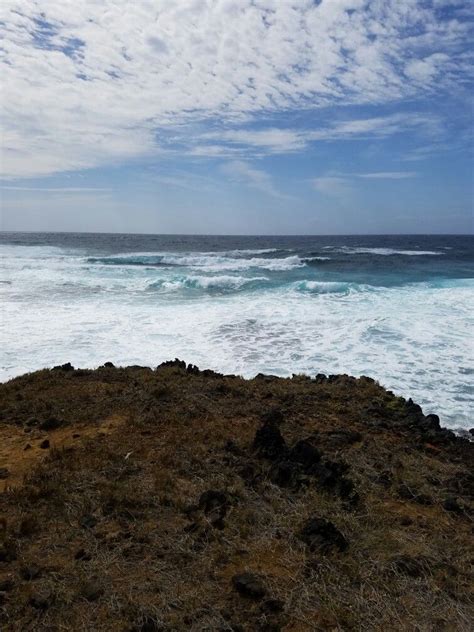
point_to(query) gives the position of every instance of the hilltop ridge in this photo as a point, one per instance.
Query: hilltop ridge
(145, 500)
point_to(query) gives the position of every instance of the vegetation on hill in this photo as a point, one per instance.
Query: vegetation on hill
(139, 500)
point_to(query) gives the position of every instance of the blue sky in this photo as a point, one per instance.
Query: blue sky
(237, 116)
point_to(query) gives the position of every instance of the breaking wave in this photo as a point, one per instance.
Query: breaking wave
(222, 284)
(331, 287)
(385, 252)
(202, 261)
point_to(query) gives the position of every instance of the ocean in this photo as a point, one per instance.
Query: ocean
(397, 308)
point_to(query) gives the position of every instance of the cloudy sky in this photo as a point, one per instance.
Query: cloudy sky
(237, 116)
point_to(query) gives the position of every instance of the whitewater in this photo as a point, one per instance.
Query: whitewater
(399, 309)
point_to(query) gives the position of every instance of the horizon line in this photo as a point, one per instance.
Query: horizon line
(94, 232)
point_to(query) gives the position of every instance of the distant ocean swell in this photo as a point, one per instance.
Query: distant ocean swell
(398, 309)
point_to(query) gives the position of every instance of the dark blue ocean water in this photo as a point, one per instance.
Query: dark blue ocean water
(398, 308)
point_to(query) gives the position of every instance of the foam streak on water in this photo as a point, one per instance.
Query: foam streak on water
(399, 309)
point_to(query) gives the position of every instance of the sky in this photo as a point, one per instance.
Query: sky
(237, 116)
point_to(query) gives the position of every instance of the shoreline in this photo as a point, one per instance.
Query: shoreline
(174, 498)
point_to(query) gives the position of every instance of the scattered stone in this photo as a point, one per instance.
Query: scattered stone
(305, 453)
(82, 555)
(6, 584)
(322, 535)
(346, 488)
(51, 424)
(41, 599)
(269, 441)
(385, 478)
(451, 504)
(28, 526)
(233, 448)
(92, 591)
(179, 364)
(286, 474)
(8, 551)
(329, 473)
(215, 505)
(249, 585)
(63, 367)
(44, 445)
(4, 473)
(30, 572)
(27, 447)
(272, 606)
(212, 499)
(432, 422)
(88, 521)
(274, 416)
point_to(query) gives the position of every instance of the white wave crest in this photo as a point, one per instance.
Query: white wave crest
(386, 252)
(331, 287)
(215, 263)
(223, 283)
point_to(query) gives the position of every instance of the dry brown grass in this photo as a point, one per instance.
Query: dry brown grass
(104, 531)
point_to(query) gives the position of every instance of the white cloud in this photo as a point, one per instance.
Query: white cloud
(90, 83)
(388, 175)
(270, 139)
(342, 185)
(243, 172)
(333, 186)
(277, 140)
(55, 189)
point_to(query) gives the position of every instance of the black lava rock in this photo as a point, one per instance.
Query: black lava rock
(273, 416)
(305, 453)
(6, 584)
(286, 474)
(272, 606)
(88, 521)
(451, 504)
(91, 591)
(269, 441)
(51, 424)
(432, 421)
(4, 473)
(30, 572)
(322, 535)
(249, 585)
(8, 552)
(179, 364)
(63, 367)
(82, 555)
(215, 505)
